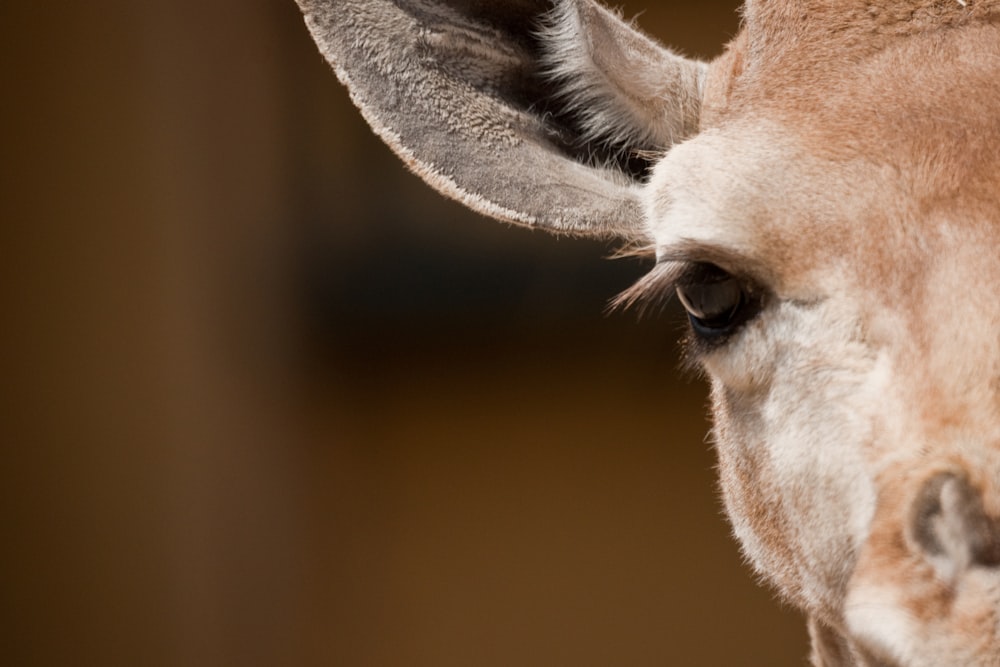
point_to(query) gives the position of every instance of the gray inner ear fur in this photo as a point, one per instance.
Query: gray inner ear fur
(458, 89)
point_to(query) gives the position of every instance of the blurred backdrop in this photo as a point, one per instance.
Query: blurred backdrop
(268, 400)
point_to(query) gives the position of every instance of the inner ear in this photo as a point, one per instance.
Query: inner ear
(627, 97)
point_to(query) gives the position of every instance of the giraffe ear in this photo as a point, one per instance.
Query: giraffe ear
(525, 113)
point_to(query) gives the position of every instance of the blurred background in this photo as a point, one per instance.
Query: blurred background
(269, 400)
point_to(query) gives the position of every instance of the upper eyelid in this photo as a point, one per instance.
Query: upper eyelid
(740, 265)
(693, 253)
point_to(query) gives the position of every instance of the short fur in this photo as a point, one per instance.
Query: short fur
(847, 163)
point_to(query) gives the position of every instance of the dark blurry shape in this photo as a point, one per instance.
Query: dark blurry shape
(268, 400)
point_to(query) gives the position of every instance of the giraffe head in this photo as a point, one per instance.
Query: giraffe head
(824, 199)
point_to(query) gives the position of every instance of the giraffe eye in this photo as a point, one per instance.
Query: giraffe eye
(717, 303)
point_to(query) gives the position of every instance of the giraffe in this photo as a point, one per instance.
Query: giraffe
(824, 200)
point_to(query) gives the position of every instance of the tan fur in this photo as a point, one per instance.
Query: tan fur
(853, 151)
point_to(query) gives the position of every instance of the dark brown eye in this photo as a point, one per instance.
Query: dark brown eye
(717, 303)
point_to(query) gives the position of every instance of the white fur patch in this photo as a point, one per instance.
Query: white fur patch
(874, 618)
(710, 190)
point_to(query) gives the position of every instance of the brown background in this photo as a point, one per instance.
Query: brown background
(268, 400)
